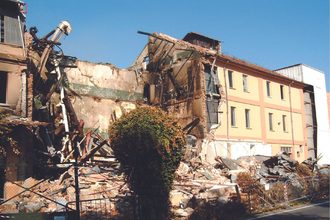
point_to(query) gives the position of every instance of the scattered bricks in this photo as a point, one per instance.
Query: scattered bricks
(11, 190)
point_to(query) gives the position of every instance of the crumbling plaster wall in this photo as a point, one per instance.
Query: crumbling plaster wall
(106, 93)
(12, 64)
(19, 160)
(180, 80)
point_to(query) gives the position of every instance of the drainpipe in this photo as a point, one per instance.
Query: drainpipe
(291, 115)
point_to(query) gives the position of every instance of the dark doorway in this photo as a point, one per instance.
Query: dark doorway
(3, 86)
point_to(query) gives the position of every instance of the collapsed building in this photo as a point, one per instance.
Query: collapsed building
(55, 103)
(30, 74)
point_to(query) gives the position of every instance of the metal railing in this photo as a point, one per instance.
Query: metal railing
(286, 193)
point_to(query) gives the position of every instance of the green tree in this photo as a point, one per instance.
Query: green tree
(149, 145)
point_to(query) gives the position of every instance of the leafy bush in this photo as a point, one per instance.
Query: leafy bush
(148, 144)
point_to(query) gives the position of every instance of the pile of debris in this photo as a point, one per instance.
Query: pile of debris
(95, 183)
(196, 184)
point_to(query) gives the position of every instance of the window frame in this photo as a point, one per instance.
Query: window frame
(233, 116)
(282, 92)
(247, 118)
(230, 79)
(284, 123)
(286, 149)
(268, 89)
(245, 83)
(270, 121)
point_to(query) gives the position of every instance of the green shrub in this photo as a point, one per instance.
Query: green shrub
(149, 145)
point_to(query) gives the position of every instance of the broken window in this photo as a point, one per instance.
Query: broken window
(245, 83)
(286, 149)
(247, 118)
(212, 95)
(233, 116)
(284, 122)
(282, 91)
(211, 85)
(3, 86)
(268, 88)
(230, 79)
(270, 118)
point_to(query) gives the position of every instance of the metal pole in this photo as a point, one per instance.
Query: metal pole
(250, 205)
(76, 180)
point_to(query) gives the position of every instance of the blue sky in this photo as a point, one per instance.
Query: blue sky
(270, 33)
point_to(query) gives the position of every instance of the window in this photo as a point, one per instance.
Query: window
(245, 83)
(230, 79)
(10, 30)
(282, 91)
(270, 118)
(2, 29)
(247, 118)
(268, 88)
(286, 149)
(284, 122)
(233, 116)
(3, 86)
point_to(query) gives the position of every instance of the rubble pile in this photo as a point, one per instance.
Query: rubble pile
(198, 183)
(282, 168)
(94, 183)
(195, 184)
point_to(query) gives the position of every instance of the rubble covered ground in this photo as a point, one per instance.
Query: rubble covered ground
(105, 194)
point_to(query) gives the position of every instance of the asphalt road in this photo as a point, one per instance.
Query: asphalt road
(314, 211)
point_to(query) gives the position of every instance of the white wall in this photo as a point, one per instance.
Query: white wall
(233, 150)
(316, 78)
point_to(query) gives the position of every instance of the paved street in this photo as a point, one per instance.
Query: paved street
(309, 212)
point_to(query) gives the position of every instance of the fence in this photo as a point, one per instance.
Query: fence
(94, 193)
(283, 193)
(25, 201)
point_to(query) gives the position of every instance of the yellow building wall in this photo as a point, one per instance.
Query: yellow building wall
(251, 99)
(277, 132)
(237, 90)
(298, 128)
(298, 152)
(240, 130)
(296, 98)
(275, 95)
